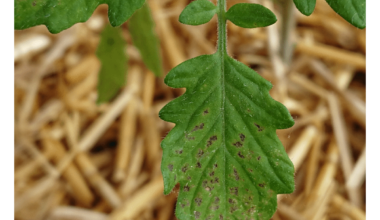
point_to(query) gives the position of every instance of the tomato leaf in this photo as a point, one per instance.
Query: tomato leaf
(197, 12)
(306, 7)
(224, 151)
(111, 53)
(59, 15)
(141, 27)
(248, 15)
(352, 11)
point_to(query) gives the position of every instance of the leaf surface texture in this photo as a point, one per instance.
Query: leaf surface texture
(224, 151)
(352, 11)
(59, 15)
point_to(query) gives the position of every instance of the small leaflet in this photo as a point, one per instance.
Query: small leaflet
(141, 27)
(111, 53)
(248, 15)
(198, 12)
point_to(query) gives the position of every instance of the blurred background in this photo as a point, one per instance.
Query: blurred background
(76, 160)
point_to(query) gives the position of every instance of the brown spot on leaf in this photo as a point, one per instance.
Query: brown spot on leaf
(197, 214)
(198, 127)
(242, 137)
(234, 191)
(186, 188)
(178, 151)
(212, 173)
(251, 210)
(199, 165)
(238, 144)
(231, 201)
(211, 140)
(198, 201)
(241, 155)
(189, 177)
(205, 112)
(259, 157)
(214, 207)
(220, 217)
(233, 208)
(204, 183)
(216, 165)
(259, 128)
(216, 180)
(170, 167)
(200, 153)
(184, 169)
(261, 185)
(236, 174)
(216, 200)
(189, 138)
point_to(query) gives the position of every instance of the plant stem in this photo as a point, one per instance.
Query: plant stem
(222, 31)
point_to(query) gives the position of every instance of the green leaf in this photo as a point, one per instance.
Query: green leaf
(248, 15)
(352, 11)
(141, 27)
(113, 60)
(224, 151)
(306, 7)
(198, 12)
(59, 15)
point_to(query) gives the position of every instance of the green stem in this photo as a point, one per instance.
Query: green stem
(222, 31)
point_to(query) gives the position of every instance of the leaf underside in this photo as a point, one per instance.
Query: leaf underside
(306, 7)
(59, 15)
(224, 151)
(141, 27)
(352, 11)
(113, 63)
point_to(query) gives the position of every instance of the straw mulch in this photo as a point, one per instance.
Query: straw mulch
(77, 160)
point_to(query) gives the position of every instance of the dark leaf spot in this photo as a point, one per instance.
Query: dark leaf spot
(170, 167)
(251, 210)
(233, 208)
(210, 141)
(198, 201)
(240, 155)
(259, 128)
(214, 207)
(189, 138)
(186, 188)
(199, 165)
(216, 165)
(205, 112)
(200, 153)
(234, 190)
(204, 183)
(189, 177)
(236, 174)
(259, 157)
(238, 144)
(220, 217)
(178, 151)
(184, 169)
(216, 200)
(261, 185)
(231, 201)
(242, 137)
(212, 173)
(197, 214)
(198, 127)
(216, 180)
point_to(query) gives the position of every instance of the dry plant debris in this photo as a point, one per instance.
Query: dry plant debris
(76, 160)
